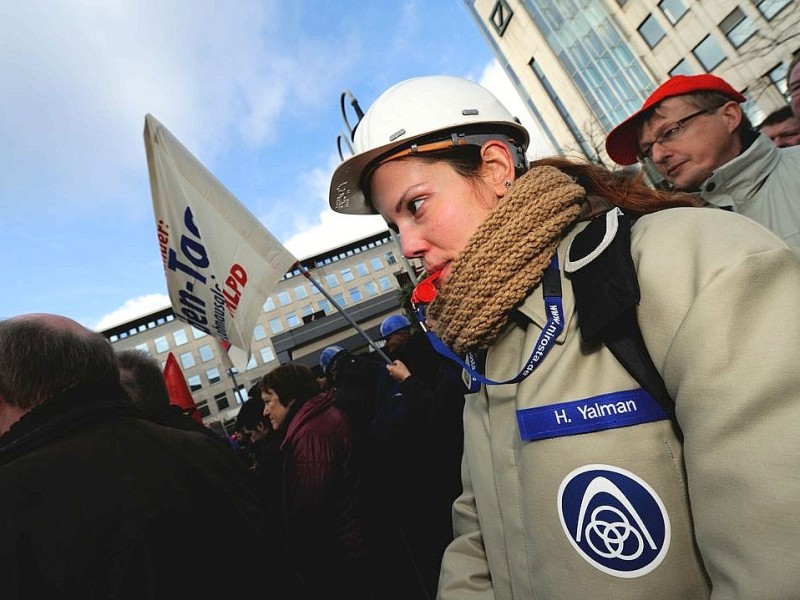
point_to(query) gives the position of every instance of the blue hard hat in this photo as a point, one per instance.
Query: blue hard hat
(394, 323)
(326, 356)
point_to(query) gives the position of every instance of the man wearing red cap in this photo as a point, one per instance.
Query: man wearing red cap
(694, 131)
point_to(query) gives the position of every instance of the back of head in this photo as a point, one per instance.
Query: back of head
(291, 381)
(326, 358)
(143, 380)
(251, 415)
(42, 356)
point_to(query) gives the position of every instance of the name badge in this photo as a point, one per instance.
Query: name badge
(607, 411)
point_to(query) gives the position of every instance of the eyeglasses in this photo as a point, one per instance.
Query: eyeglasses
(670, 134)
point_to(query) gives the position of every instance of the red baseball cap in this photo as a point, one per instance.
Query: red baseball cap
(622, 144)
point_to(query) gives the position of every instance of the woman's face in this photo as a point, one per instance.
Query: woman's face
(273, 409)
(434, 209)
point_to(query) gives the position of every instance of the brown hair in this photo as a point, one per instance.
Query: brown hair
(625, 189)
(291, 381)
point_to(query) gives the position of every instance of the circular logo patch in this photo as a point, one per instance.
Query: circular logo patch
(615, 520)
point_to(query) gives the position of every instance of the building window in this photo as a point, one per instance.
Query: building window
(370, 288)
(275, 325)
(197, 334)
(267, 355)
(222, 401)
(241, 395)
(251, 364)
(737, 27)
(390, 259)
(385, 284)
(315, 289)
(347, 275)
(269, 305)
(376, 263)
(301, 292)
(673, 9)
(501, 16)
(682, 68)
(179, 337)
(362, 270)
(284, 298)
(355, 294)
(709, 53)
(770, 8)
(206, 353)
(187, 360)
(331, 280)
(651, 31)
(213, 375)
(325, 305)
(292, 320)
(339, 299)
(777, 76)
(202, 408)
(307, 310)
(143, 347)
(258, 332)
(194, 382)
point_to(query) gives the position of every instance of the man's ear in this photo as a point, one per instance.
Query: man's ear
(498, 166)
(731, 112)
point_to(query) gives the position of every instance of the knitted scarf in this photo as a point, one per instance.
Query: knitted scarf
(505, 259)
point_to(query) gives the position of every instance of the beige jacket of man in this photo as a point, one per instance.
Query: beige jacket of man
(632, 512)
(762, 183)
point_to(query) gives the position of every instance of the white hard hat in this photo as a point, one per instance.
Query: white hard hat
(434, 108)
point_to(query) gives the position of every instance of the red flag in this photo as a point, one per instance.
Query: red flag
(179, 393)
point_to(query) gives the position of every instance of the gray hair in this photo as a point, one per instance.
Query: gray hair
(39, 360)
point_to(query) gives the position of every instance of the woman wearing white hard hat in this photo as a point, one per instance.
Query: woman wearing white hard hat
(577, 481)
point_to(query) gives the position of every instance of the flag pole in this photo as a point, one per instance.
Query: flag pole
(355, 325)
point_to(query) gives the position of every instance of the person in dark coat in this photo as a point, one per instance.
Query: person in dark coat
(427, 454)
(98, 502)
(321, 484)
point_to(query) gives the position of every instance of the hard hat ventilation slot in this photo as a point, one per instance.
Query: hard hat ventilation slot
(396, 135)
(470, 111)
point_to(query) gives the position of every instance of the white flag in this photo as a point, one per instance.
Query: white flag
(220, 262)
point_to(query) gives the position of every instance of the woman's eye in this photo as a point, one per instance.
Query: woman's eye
(415, 205)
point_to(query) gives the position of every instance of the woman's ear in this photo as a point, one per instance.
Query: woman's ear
(497, 168)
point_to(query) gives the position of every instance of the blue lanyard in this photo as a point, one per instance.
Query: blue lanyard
(551, 284)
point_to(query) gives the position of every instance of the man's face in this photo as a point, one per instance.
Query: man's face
(688, 156)
(794, 90)
(396, 340)
(784, 134)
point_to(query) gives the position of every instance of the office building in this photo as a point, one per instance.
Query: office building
(583, 66)
(297, 322)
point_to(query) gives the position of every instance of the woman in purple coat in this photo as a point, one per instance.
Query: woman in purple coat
(321, 484)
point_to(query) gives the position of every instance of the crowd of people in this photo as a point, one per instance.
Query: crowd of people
(597, 400)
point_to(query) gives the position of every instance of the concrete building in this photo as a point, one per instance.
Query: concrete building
(297, 323)
(582, 66)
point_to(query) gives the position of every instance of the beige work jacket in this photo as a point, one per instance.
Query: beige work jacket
(632, 512)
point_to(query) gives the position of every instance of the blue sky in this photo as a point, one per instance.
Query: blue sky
(251, 87)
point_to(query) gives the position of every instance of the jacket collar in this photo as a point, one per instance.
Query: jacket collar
(737, 182)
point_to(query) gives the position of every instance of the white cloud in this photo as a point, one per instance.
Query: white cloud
(133, 309)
